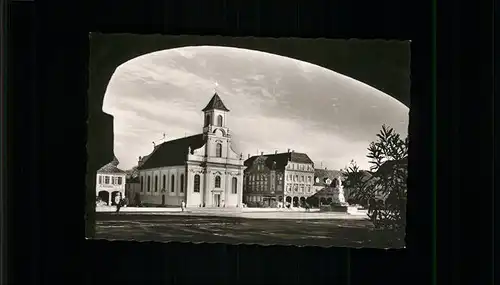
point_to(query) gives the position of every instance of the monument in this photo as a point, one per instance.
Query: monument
(339, 203)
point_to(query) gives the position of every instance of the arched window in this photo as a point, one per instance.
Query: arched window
(218, 150)
(217, 181)
(149, 183)
(219, 120)
(182, 183)
(234, 189)
(172, 183)
(196, 183)
(156, 183)
(207, 120)
(164, 184)
(142, 184)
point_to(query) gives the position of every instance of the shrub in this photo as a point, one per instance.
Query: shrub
(386, 189)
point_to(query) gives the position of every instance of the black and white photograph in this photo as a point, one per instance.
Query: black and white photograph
(269, 141)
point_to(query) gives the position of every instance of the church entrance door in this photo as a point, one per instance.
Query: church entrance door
(217, 200)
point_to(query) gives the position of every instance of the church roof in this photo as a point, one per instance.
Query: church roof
(215, 103)
(174, 152)
(111, 168)
(281, 159)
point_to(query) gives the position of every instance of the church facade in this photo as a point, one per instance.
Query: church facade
(202, 170)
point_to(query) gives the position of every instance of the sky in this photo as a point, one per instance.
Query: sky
(275, 103)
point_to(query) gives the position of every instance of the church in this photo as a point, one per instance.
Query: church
(202, 170)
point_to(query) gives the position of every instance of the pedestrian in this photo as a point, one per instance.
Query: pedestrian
(118, 202)
(183, 205)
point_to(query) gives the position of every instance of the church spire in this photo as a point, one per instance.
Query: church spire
(215, 104)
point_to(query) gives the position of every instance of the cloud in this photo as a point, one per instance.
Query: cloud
(276, 103)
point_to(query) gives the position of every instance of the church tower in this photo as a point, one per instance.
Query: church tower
(222, 167)
(215, 130)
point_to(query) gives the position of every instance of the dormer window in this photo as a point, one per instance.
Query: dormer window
(328, 181)
(317, 180)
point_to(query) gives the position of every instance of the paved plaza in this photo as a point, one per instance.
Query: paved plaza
(354, 232)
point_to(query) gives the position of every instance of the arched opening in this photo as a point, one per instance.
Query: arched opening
(104, 196)
(219, 120)
(196, 183)
(217, 181)
(116, 196)
(110, 68)
(302, 201)
(295, 201)
(218, 150)
(288, 200)
(208, 118)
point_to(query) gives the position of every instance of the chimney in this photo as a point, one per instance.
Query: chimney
(275, 152)
(248, 155)
(293, 151)
(261, 153)
(288, 150)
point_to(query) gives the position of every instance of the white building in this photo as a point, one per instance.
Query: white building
(201, 170)
(110, 182)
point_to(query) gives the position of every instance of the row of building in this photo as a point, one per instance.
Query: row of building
(205, 171)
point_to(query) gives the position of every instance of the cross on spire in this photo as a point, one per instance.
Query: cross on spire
(216, 84)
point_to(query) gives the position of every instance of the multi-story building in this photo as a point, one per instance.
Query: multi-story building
(201, 170)
(110, 182)
(276, 178)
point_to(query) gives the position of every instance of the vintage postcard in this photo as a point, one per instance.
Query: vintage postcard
(248, 140)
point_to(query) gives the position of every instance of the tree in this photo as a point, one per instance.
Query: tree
(354, 183)
(386, 189)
